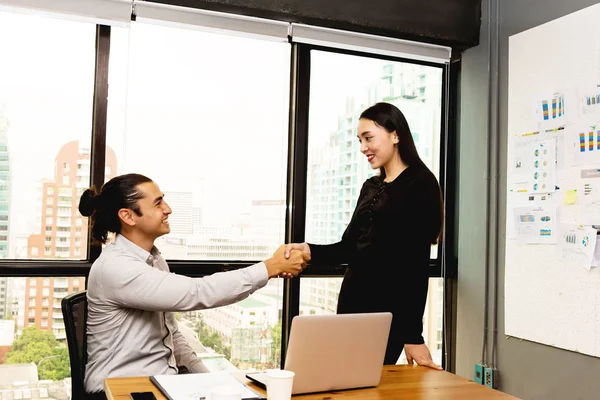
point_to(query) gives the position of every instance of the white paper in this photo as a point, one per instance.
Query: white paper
(535, 225)
(596, 257)
(576, 245)
(534, 166)
(589, 212)
(198, 386)
(585, 144)
(550, 110)
(589, 100)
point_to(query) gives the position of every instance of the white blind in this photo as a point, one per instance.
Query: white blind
(107, 12)
(369, 43)
(211, 21)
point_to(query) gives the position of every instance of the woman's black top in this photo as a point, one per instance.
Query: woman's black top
(387, 248)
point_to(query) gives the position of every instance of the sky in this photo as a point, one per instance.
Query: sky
(195, 111)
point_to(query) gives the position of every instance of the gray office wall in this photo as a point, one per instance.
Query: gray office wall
(527, 370)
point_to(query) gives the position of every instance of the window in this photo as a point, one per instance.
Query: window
(192, 99)
(184, 120)
(337, 169)
(49, 106)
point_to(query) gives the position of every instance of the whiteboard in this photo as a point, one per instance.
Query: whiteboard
(552, 294)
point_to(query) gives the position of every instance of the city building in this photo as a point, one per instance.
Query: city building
(253, 234)
(63, 235)
(5, 188)
(337, 171)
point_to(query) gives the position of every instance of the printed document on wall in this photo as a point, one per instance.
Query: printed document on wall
(535, 225)
(589, 211)
(534, 166)
(550, 110)
(589, 99)
(576, 244)
(585, 144)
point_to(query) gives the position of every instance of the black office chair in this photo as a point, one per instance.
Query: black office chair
(74, 310)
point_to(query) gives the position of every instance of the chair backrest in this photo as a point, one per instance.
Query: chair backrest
(74, 310)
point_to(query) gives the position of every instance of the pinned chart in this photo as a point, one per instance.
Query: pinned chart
(587, 146)
(577, 245)
(557, 102)
(589, 213)
(535, 225)
(590, 100)
(550, 110)
(534, 167)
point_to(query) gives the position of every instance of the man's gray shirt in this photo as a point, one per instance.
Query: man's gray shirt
(131, 328)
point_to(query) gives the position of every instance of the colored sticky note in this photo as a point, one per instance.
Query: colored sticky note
(570, 196)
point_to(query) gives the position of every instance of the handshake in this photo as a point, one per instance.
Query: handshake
(288, 260)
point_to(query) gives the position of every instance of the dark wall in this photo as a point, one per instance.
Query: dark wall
(448, 22)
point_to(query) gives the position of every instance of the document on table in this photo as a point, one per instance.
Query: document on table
(198, 386)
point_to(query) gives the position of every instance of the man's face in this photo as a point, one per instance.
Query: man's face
(154, 221)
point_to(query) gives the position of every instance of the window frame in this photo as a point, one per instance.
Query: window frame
(445, 265)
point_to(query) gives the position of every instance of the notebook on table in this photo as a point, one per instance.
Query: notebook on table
(335, 352)
(198, 386)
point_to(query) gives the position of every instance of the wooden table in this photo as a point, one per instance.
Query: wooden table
(398, 382)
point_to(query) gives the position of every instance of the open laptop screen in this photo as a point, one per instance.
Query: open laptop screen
(334, 352)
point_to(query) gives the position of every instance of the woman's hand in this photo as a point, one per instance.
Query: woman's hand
(420, 354)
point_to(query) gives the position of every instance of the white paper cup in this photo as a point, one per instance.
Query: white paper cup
(279, 384)
(226, 393)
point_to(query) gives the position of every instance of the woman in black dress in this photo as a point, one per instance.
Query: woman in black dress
(387, 243)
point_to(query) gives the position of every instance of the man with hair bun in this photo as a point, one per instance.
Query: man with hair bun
(132, 296)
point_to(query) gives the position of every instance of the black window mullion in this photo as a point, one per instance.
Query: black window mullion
(99, 116)
(450, 262)
(296, 180)
(450, 99)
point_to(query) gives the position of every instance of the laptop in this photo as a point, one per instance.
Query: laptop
(335, 352)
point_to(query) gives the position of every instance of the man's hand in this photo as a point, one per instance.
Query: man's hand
(292, 265)
(420, 354)
(304, 247)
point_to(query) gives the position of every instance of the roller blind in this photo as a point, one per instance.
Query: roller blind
(107, 12)
(369, 43)
(211, 21)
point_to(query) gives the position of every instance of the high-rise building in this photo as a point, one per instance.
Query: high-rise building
(5, 187)
(338, 170)
(180, 220)
(63, 235)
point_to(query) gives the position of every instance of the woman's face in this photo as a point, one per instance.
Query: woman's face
(377, 144)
